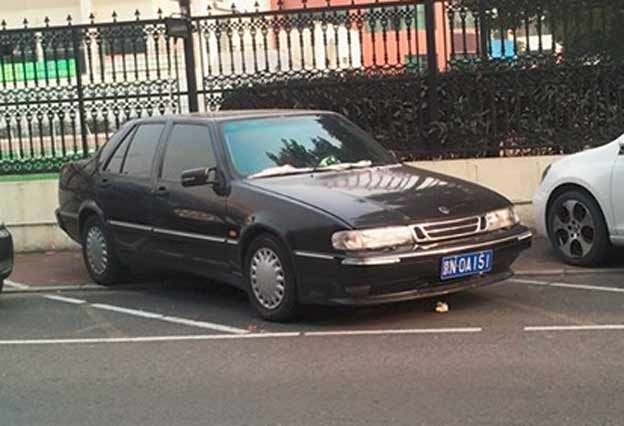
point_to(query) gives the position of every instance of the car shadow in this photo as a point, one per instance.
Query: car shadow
(233, 304)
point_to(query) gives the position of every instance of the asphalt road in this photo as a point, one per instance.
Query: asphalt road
(536, 351)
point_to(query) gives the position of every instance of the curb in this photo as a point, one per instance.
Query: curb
(53, 289)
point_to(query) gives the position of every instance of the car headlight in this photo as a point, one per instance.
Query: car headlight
(4, 233)
(504, 218)
(373, 239)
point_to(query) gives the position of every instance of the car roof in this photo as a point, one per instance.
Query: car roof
(235, 115)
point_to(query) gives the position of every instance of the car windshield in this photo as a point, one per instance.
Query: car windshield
(300, 144)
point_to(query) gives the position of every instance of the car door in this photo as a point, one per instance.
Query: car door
(189, 222)
(617, 194)
(123, 187)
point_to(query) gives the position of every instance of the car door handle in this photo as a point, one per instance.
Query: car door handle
(161, 191)
(104, 183)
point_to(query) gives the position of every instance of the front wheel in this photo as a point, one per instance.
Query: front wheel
(99, 254)
(271, 279)
(577, 229)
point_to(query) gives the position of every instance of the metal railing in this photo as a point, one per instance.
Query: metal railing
(412, 72)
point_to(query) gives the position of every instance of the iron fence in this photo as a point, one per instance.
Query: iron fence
(429, 78)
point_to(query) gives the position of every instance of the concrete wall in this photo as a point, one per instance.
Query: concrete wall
(516, 178)
(28, 207)
(28, 210)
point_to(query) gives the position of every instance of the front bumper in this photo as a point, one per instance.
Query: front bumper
(413, 275)
(6, 256)
(540, 203)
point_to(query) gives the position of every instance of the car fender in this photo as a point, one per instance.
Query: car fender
(89, 206)
(590, 170)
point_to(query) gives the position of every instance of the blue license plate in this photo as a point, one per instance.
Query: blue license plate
(465, 265)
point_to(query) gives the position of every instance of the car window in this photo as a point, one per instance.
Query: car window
(300, 143)
(107, 149)
(115, 162)
(142, 149)
(189, 147)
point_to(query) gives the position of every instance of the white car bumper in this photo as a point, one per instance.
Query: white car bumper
(540, 201)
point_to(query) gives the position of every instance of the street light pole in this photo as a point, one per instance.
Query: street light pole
(185, 7)
(189, 54)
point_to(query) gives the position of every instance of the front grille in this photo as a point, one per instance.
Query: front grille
(449, 230)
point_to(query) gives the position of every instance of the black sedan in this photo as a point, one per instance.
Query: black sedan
(291, 206)
(6, 255)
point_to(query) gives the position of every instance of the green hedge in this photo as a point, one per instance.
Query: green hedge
(482, 112)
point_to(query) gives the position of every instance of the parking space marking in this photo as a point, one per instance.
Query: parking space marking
(146, 339)
(575, 327)
(150, 315)
(133, 312)
(566, 285)
(169, 319)
(396, 331)
(248, 336)
(65, 299)
(567, 271)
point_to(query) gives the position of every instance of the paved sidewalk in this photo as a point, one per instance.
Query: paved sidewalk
(67, 268)
(50, 269)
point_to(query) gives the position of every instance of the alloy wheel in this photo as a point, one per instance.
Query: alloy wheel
(574, 229)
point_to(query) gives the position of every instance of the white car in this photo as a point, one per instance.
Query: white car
(579, 205)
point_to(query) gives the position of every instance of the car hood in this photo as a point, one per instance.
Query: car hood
(390, 195)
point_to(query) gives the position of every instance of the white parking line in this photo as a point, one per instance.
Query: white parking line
(249, 336)
(204, 324)
(133, 312)
(173, 320)
(566, 285)
(575, 327)
(147, 339)
(397, 331)
(65, 299)
(149, 315)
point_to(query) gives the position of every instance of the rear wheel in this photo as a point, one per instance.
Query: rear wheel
(99, 253)
(271, 279)
(577, 229)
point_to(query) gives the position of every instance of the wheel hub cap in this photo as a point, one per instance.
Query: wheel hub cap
(97, 250)
(267, 278)
(574, 229)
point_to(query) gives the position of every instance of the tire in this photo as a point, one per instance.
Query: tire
(270, 277)
(577, 229)
(108, 270)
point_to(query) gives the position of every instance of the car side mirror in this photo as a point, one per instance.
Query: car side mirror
(200, 177)
(622, 147)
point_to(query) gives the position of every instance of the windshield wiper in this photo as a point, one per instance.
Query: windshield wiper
(280, 171)
(345, 166)
(291, 170)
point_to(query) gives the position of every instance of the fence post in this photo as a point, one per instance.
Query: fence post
(191, 72)
(76, 42)
(432, 63)
(484, 32)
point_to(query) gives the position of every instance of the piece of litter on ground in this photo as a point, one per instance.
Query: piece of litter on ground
(441, 307)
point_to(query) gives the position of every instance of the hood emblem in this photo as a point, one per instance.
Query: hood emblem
(444, 210)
